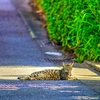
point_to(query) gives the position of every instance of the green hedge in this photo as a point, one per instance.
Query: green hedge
(76, 25)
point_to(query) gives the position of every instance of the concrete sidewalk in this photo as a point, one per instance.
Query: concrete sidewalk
(94, 65)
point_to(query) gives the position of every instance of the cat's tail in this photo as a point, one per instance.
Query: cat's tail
(24, 78)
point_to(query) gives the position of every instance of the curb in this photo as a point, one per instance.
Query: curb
(95, 66)
(28, 27)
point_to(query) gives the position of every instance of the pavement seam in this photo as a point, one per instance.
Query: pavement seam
(89, 86)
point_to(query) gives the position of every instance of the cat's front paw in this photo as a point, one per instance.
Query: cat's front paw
(72, 78)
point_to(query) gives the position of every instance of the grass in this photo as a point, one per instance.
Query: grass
(76, 25)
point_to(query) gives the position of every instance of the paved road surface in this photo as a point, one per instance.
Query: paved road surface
(19, 50)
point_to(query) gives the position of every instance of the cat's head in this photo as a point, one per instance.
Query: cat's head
(67, 66)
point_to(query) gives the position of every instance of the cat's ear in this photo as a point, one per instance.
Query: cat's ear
(71, 64)
(63, 64)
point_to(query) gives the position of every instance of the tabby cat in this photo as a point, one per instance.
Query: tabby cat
(52, 74)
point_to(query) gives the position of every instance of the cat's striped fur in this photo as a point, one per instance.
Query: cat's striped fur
(51, 74)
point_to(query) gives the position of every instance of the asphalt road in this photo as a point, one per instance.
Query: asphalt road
(46, 90)
(19, 50)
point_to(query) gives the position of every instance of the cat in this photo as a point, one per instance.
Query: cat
(52, 74)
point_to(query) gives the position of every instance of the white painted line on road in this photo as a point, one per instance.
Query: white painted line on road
(54, 53)
(25, 22)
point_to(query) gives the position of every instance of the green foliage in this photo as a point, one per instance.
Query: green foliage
(75, 24)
